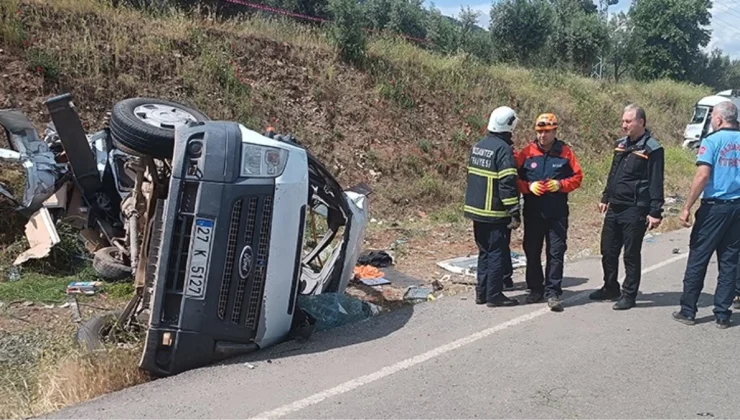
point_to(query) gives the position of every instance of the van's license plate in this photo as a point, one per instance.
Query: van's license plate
(199, 256)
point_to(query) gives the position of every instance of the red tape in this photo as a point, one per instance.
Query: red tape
(301, 16)
(276, 10)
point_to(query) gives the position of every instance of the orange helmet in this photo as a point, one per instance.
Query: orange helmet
(546, 122)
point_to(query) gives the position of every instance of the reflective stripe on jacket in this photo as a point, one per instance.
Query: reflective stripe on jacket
(559, 163)
(491, 195)
(636, 175)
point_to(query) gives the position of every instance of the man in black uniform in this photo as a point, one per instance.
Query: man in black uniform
(736, 303)
(633, 202)
(492, 203)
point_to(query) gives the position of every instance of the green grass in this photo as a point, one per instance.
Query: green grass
(416, 111)
(46, 288)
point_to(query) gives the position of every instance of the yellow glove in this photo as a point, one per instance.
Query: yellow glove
(553, 185)
(538, 188)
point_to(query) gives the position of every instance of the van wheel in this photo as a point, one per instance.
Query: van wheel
(109, 264)
(92, 333)
(146, 126)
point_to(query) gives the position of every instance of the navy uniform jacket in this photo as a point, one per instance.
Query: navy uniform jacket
(636, 175)
(491, 195)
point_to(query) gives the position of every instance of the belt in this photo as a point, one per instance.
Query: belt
(719, 201)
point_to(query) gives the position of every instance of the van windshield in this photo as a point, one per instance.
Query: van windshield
(700, 112)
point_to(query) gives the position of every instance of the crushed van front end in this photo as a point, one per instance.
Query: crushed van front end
(234, 218)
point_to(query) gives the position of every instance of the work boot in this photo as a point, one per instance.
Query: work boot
(678, 316)
(736, 303)
(605, 294)
(723, 323)
(502, 300)
(534, 297)
(508, 284)
(623, 303)
(555, 304)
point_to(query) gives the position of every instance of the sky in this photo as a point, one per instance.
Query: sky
(725, 19)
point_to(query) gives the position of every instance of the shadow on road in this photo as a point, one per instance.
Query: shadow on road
(567, 282)
(710, 319)
(646, 300)
(346, 335)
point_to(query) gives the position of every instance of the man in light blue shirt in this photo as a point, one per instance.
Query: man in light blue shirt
(717, 225)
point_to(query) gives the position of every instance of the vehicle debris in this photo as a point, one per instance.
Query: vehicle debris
(42, 236)
(379, 281)
(379, 259)
(331, 310)
(367, 272)
(44, 175)
(418, 294)
(466, 266)
(214, 223)
(83, 287)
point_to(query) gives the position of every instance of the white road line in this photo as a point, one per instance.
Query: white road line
(413, 361)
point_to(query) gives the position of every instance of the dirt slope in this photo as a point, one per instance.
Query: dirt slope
(404, 124)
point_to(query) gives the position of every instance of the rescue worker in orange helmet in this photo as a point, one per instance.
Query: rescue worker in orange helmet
(548, 170)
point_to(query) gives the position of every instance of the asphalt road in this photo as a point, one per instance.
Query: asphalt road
(453, 359)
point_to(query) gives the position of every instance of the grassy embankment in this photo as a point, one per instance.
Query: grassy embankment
(404, 123)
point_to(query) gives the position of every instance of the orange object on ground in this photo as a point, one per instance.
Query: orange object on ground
(368, 272)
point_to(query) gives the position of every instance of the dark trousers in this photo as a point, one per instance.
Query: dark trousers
(555, 234)
(716, 229)
(493, 253)
(508, 265)
(623, 227)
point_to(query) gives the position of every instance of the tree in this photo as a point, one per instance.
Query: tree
(317, 8)
(671, 34)
(347, 30)
(407, 17)
(621, 48)
(578, 37)
(473, 39)
(718, 71)
(441, 32)
(468, 23)
(379, 13)
(588, 6)
(520, 29)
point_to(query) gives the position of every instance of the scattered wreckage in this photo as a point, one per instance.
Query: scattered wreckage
(208, 217)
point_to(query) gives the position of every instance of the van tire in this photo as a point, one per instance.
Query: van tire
(90, 334)
(108, 266)
(132, 134)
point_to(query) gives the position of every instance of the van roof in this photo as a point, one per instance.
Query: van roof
(712, 100)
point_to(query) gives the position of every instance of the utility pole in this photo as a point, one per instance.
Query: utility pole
(597, 71)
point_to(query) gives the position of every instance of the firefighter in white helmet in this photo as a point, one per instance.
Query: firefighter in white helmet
(492, 203)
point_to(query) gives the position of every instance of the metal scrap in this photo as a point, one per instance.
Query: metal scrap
(467, 265)
(44, 176)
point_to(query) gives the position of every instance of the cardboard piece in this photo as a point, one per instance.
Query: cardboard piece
(42, 236)
(59, 199)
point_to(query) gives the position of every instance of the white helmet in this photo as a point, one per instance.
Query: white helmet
(503, 119)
